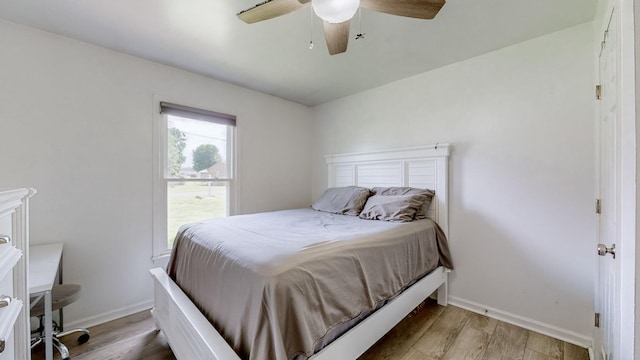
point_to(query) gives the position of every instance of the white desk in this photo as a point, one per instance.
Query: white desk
(44, 261)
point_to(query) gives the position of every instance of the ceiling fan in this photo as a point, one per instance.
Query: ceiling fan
(337, 14)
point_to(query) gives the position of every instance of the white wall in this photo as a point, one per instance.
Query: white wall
(522, 171)
(76, 123)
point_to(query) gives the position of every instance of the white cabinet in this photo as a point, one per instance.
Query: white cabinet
(14, 294)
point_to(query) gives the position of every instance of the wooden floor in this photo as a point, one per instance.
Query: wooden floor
(432, 333)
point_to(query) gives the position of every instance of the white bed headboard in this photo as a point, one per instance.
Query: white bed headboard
(425, 167)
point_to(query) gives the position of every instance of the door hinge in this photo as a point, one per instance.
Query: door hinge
(598, 206)
(598, 92)
(596, 320)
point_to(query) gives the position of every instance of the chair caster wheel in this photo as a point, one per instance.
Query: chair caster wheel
(82, 339)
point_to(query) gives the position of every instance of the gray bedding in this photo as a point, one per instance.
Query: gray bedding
(276, 284)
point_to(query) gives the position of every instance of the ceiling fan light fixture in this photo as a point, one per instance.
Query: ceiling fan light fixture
(335, 11)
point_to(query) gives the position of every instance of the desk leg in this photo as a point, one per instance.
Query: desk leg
(48, 326)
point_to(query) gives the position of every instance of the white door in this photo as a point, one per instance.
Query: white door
(607, 279)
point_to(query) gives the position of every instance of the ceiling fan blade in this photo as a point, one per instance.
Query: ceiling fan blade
(420, 9)
(337, 36)
(270, 9)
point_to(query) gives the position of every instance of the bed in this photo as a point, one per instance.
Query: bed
(271, 313)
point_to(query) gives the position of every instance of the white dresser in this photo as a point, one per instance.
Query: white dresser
(14, 294)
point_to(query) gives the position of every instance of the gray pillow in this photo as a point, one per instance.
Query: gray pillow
(399, 208)
(347, 200)
(405, 190)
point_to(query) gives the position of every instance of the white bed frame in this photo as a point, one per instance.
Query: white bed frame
(191, 336)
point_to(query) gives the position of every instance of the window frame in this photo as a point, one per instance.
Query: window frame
(160, 246)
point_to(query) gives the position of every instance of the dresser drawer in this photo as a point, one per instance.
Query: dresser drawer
(6, 276)
(5, 224)
(9, 257)
(8, 316)
(9, 352)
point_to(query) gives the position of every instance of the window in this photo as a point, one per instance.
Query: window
(194, 170)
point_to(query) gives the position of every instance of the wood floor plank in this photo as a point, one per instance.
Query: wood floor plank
(482, 322)
(413, 354)
(546, 345)
(400, 339)
(534, 355)
(470, 344)
(507, 343)
(573, 352)
(440, 336)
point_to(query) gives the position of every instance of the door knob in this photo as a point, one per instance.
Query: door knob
(604, 250)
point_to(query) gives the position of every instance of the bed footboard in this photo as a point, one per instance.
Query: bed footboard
(190, 334)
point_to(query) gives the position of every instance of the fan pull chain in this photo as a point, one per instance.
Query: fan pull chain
(360, 34)
(310, 28)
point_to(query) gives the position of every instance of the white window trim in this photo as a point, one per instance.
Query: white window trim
(160, 251)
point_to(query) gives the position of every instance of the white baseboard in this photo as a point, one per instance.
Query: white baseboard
(108, 316)
(523, 322)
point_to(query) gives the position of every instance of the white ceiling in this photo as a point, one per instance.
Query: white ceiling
(205, 36)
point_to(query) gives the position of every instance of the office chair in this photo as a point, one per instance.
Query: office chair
(61, 296)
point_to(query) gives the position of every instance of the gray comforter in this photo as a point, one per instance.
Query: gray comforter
(274, 284)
